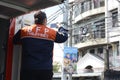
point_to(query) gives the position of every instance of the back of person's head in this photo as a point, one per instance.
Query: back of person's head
(39, 17)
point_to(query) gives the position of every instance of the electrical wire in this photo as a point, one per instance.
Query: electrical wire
(54, 16)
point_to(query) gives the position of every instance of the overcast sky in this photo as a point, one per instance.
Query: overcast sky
(51, 11)
(58, 48)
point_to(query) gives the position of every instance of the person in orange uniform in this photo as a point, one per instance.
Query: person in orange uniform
(37, 48)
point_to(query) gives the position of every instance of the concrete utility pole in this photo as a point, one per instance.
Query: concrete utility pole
(65, 16)
(106, 55)
(65, 22)
(70, 25)
(68, 10)
(107, 16)
(71, 31)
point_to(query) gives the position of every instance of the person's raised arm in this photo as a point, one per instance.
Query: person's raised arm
(62, 35)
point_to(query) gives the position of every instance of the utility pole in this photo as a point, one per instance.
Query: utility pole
(70, 39)
(68, 11)
(65, 22)
(107, 16)
(106, 55)
(65, 16)
(70, 24)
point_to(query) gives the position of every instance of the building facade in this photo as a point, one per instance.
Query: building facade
(96, 31)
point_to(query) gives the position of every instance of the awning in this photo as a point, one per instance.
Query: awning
(13, 8)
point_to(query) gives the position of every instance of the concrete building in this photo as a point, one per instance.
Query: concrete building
(96, 30)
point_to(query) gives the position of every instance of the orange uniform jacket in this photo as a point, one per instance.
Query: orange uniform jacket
(37, 45)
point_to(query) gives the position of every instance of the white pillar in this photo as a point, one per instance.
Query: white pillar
(114, 49)
(119, 21)
(106, 19)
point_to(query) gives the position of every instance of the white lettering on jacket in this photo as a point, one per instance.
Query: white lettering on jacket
(38, 32)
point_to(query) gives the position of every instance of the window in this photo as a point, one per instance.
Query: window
(77, 10)
(86, 5)
(102, 2)
(118, 56)
(96, 3)
(115, 19)
(77, 35)
(76, 30)
(82, 7)
(76, 40)
(110, 51)
(118, 53)
(92, 51)
(99, 29)
(100, 52)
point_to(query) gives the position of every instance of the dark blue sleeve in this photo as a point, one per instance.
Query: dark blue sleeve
(62, 35)
(17, 38)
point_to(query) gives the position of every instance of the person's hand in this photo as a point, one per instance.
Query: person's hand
(62, 30)
(58, 25)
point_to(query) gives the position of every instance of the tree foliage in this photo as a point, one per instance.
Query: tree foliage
(56, 67)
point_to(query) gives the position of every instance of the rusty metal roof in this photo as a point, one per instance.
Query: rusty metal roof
(13, 8)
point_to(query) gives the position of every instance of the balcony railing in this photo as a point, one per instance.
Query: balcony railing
(79, 38)
(84, 6)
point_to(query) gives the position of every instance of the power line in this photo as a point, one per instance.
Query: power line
(53, 16)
